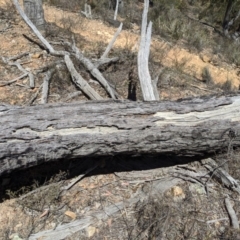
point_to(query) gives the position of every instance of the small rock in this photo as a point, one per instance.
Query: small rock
(71, 214)
(177, 193)
(91, 231)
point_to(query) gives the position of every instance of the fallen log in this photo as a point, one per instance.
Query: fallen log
(192, 127)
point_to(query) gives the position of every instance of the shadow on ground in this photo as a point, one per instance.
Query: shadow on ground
(23, 181)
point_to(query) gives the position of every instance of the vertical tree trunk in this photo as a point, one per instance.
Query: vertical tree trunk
(34, 11)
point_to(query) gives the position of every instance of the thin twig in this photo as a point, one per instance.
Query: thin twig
(78, 178)
(2, 84)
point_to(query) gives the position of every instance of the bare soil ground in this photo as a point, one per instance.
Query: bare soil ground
(115, 200)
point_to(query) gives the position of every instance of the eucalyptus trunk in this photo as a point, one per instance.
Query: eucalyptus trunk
(34, 11)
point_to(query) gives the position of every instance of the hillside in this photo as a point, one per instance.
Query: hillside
(141, 197)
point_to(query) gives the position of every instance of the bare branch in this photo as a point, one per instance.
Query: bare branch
(19, 66)
(93, 70)
(80, 82)
(45, 87)
(232, 213)
(5, 83)
(112, 42)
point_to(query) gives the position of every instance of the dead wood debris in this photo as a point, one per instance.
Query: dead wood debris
(80, 82)
(10, 62)
(221, 175)
(5, 83)
(77, 79)
(45, 86)
(232, 213)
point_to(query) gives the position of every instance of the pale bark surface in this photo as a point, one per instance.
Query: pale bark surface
(37, 134)
(143, 56)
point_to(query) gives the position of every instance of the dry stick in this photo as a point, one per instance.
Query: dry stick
(73, 95)
(78, 178)
(19, 66)
(216, 220)
(203, 89)
(99, 62)
(18, 56)
(93, 70)
(41, 46)
(80, 82)
(143, 55)
(65, 230)
(112, 42)
(35, 96)
(21, 85)
(91, 67)
(37, 33)
(49, 66)
(232, 214)
(220, 175)
(45, 88)
(5, 83)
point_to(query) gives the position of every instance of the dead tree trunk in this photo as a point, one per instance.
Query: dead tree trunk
(193, 127)
(34, 11)
(143, 55)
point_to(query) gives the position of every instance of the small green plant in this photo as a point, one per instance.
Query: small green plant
(206, 76)
(227, 86)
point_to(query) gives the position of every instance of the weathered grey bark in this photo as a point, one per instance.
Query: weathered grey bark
(37, 134)
(80, 82)
(34, 11)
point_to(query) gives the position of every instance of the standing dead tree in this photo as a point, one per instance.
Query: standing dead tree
(143, 55)
(87, 11)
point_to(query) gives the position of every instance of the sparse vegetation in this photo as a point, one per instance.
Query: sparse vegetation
(207, 77)
(227, 86)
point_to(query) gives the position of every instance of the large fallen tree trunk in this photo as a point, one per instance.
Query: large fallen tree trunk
(192, 127)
